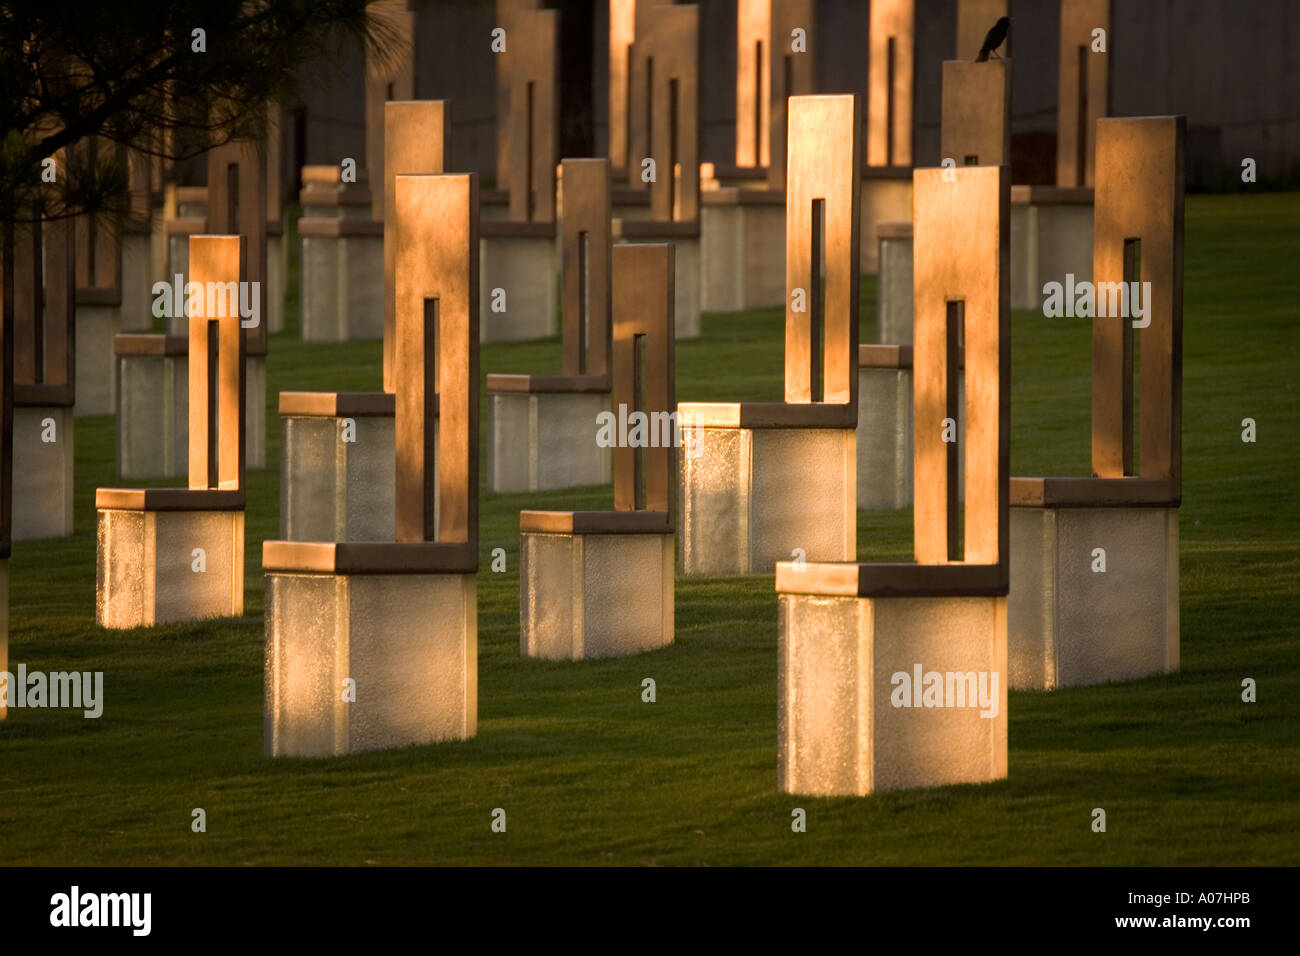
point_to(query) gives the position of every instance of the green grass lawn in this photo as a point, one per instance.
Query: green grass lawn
(588, 773)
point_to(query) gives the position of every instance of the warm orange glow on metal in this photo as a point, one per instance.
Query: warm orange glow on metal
(643, 308)
(585, 225)
(753, 81)
(889, 98)
(215, 264)
(389, 76)
(416, 142)
(243, 215)
(622, 31)
(532, 126)
(824, 160)
(961, 254)
(974, 19)
(763, 84)
(1139, 195)
(976, 126)
(436, 262)
(667, 42)
(505, 9)
(1079, 18)
(792, 74)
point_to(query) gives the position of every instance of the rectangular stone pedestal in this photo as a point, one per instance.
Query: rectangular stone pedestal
(337, 466)
(885, 428)
(149, 569)
(1051, 235)
(751, 496)
(884, 435)
(96, 367)
(153, 410)
(518, 265)
(402, 647)
(685, 237)
(541, 441)
(594, 595)
(152, 406)
(1072, 624)
(42, 472)
(742, 249)
(886, 197)
(894, 287)
(342, 279)
(851, 718)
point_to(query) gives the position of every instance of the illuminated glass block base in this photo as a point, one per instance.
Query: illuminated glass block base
(517, 288)
(859, 710)
(742, 254)
(342, 287)
(594, 595)
(542, 441)
(1072, 624)
(42, 472)
(369, 661)
(1048, 240)
(886, 435)
(335, 489)
(150, 571)
(884, 438)
(96, 363)
(752, 496)
(894, 288)
(152, 420)
(152, 416)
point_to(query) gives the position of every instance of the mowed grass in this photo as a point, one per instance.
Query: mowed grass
(588, 774)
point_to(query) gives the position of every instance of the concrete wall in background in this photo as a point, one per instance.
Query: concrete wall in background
(1232, 66)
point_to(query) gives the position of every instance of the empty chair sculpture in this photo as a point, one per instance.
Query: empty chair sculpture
(742, 208)
(518, 291)
(664, 146)
(375, 644)
(542, 426)
(337, 448)
(151, 369)
(40, 312)
(886, 193)
(177, 554)
(600, 583)
(1094, 571)
(766, 481)
(342, 226)
(893, 676)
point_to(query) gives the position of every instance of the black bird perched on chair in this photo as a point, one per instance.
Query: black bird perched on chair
(993, 39)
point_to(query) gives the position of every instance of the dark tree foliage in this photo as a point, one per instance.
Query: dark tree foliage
(131, 73)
